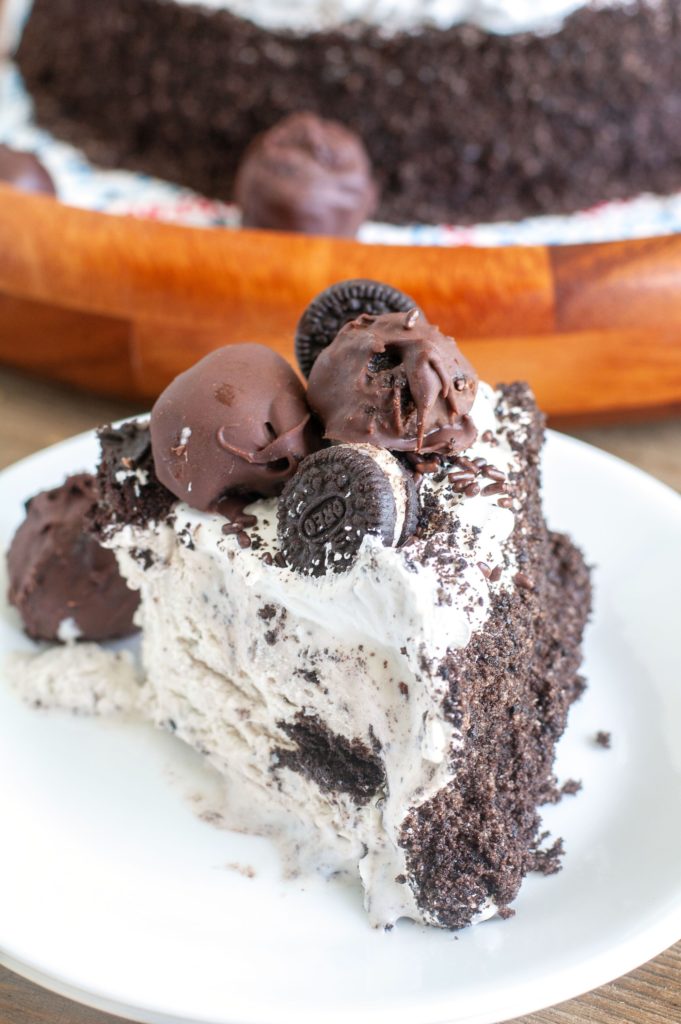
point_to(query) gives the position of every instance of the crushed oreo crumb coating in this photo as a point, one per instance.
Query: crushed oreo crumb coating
(509, 693)
(129, 491)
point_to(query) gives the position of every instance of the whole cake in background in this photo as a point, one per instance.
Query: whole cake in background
(471, 110)
(306, 174)
(350, 604)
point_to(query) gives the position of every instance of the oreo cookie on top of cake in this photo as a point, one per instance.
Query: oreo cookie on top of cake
(351, 604)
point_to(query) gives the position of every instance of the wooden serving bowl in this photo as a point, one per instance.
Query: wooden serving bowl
(119, 306)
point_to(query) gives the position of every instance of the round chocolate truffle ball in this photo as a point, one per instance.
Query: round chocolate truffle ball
(64, 584)
(235, 423)
(306, 175)
(25, 172)
(395, 381)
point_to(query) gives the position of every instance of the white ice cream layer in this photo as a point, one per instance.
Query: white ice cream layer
(236, 650)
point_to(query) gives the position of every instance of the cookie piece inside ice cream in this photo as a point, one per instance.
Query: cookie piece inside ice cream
(63, 583)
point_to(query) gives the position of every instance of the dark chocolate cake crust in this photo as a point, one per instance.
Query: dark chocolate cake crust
(510, 692)
(129, 491)
(461, 125)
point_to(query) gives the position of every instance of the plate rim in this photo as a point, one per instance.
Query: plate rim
(652, 938)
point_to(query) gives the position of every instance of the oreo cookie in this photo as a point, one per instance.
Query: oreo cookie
(337, 497)
(337, 306)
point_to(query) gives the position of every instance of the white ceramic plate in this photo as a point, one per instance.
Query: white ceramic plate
(113, 891)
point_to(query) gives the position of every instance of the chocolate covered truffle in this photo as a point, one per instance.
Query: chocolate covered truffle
(306, 175)
(236, 423)
(63, 583)
(24, 171)
(397, 382)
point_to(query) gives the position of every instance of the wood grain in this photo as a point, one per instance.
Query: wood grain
(628, 285)
(248, 280)
(120, 305)
(58, 343)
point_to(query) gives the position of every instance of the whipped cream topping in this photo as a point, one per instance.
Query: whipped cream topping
(393, 16)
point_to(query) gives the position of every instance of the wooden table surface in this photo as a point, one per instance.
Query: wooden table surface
(34, 414)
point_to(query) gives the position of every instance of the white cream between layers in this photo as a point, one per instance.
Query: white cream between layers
(234, 647)
(392, 16)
